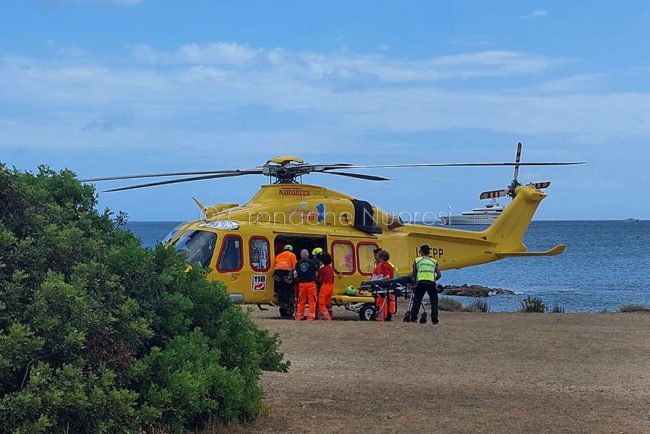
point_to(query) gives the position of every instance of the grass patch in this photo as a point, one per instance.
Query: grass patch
(557, 308)
(532, 305)
(632, 308)
(450, 305)
(447, 304)
(478, 305)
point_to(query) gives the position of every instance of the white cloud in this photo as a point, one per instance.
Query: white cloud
(571, 84)
(176, 92)
(228, 53)
(348, 66)
(472, 40)
(537, 13)
(218, 53)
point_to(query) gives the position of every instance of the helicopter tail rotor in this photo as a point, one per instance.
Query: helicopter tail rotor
(515, 178)
(511, 189)
(493, 194)
(541, 185)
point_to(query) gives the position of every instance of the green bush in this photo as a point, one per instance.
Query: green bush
(98, 334)
(633, 308)
(532, 305)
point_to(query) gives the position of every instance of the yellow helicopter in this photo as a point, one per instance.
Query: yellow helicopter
(238, 242)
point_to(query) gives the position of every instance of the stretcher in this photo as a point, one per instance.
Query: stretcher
(365, 301)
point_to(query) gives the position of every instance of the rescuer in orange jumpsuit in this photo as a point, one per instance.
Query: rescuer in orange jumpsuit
(285, 264)
(326, 276)
(383, 270)
(307, 273)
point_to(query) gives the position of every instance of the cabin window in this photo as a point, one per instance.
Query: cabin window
(198, 245)
(231, 256)
(343, 257)
(366, 257)
(259, 250)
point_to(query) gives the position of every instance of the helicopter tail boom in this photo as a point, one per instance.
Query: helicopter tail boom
(508, 230)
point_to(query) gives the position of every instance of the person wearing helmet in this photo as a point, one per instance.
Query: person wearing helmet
(285, 265)
(326, 277)
(317, 256)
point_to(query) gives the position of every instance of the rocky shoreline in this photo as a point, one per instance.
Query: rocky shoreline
(474, 290)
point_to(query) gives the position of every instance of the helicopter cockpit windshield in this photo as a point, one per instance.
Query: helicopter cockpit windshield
(199, 246)
(171, 234)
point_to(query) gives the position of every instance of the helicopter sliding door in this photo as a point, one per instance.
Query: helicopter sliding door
(298, 242)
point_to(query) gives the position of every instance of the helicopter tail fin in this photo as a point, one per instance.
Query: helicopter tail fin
(508, 230)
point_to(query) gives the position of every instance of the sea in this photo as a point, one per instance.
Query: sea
(606, 265)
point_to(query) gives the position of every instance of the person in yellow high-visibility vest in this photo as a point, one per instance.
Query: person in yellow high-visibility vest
(426, 271)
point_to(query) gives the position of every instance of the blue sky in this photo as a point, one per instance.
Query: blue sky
(109, 87)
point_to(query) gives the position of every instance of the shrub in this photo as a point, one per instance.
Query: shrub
(633, 308)
(449, 304)
(532, 305)
(478, 305)
(557, 308)
(98, 334)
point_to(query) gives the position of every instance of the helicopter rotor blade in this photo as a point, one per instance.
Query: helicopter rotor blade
(517, 160)
(421, 165)
(157, 175)
(357, 175)
(493, 194)
(194, 178)
(541, 185)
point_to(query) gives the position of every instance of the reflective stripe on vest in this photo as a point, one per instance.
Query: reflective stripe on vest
(426, 268)
(395, 269)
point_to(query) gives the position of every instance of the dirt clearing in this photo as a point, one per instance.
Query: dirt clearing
(472, 373)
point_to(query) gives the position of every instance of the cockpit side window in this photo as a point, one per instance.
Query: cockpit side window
(199, 246)
(231, 257)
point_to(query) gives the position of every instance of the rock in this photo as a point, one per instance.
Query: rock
(474, 290)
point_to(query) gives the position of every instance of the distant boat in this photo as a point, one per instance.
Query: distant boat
(477, 216)
(632, 220)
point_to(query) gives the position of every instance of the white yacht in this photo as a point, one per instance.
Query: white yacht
(489, 213)
(477, 216)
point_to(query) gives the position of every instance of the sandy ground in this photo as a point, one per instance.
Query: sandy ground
(496, 373)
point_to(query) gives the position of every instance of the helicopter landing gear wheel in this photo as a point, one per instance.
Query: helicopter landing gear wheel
(367, 312)
(286, 311)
